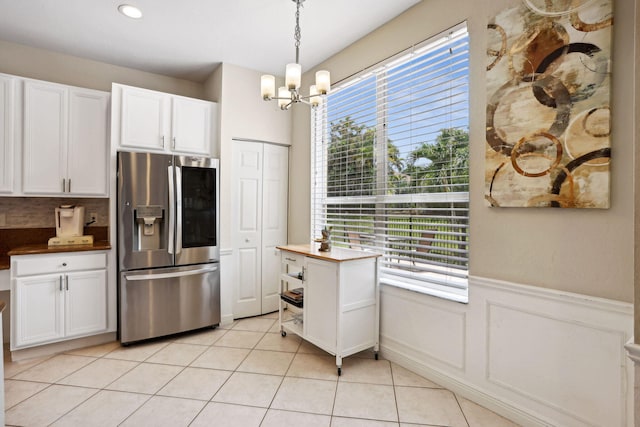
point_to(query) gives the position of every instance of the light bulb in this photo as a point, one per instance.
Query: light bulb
(283, 92)
(293, 76)
(323, 82)
(267, 86)
(314, 97)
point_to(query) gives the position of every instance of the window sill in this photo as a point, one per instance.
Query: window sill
(448, 293)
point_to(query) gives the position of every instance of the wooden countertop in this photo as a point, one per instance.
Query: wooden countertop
(26, 241)
(43, 248)
(335, 254)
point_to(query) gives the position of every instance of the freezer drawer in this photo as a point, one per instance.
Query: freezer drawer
(166, 301)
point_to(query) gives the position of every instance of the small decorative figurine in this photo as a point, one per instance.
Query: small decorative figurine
(325, 242)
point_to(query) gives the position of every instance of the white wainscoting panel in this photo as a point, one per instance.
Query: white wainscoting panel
(537, 356)
(227, 279)
(543, 359)
(430, 329)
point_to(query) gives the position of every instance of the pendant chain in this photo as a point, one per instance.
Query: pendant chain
(297, 31)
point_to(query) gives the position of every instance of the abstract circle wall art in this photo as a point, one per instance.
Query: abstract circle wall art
(548, 116)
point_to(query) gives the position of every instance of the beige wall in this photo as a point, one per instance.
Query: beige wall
(244, 115)
(26, 61)
(636, 180)
(583, 251)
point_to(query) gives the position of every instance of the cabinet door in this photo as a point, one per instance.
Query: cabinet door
(38, 309)
(45, 136)
(87, 158)
(85, 302)
(191, 126)
(144, 119)
(7, 106)
(320, 303)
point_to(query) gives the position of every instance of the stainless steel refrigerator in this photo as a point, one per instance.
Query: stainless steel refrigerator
(168, 244)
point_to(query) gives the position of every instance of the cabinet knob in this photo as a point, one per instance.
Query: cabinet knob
(64, 264)
(246, 240)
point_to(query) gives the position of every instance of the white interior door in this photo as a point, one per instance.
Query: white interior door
(275, 191)
(261, 183)
(247, 225)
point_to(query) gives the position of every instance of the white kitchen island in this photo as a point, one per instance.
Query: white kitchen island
(340, 308)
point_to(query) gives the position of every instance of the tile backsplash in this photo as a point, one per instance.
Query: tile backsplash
(38, 212)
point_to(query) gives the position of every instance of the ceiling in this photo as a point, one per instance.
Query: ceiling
(189, 38)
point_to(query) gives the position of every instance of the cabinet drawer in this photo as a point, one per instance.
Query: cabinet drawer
(26, 265)
(292, 259)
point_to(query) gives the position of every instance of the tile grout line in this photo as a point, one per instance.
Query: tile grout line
(105, 389)
(461, 410)
(207, 347)
(395, 395)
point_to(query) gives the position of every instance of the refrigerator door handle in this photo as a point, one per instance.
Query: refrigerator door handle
(170, 275)
(178, 190)
(172, 208)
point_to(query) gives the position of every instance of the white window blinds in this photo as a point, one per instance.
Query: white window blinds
(391, 165)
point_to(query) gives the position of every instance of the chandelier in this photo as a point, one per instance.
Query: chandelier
(289, 94)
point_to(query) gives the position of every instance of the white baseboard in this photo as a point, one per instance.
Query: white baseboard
(534, 355)
(226, 320)
(227, 279)
(633, 351)
(59, 347)
(461, 388)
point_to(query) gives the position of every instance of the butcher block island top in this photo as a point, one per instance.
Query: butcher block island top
(335, 254)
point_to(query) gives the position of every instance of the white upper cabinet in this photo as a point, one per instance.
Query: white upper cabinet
(191, 125)
(157, 121)
(88, 143)
(7, 132)
(45, 135)
(144, 119)
(65, 140)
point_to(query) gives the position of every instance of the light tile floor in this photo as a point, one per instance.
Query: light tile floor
(242, 375)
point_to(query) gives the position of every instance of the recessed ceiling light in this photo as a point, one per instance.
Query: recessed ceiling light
(130, 11)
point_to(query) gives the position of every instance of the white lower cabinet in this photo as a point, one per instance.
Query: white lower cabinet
(85, 303)
(57, 297)
(339, 311)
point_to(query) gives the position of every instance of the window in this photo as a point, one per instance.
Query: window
(391, 165)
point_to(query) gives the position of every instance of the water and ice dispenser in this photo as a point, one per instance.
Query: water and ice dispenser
(148, 227)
